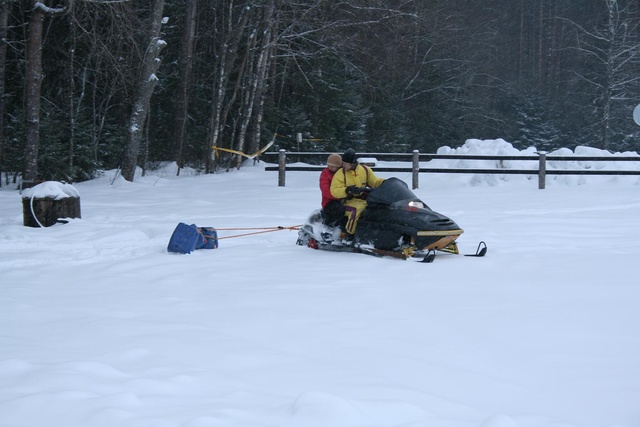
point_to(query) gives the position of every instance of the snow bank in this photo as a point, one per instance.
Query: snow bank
(500, 147)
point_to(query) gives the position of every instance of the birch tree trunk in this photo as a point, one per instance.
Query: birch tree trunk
(270, 49)
(258, 80)
(228, 53)
(146, 85)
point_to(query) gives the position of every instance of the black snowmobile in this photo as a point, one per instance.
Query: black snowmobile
(395, 223)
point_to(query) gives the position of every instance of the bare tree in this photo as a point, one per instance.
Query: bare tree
(146, 84)
(613, 49)
(106, 35)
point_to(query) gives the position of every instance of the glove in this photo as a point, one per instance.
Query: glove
(352, 190)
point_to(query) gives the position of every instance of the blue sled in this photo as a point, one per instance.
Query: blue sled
(187, 238)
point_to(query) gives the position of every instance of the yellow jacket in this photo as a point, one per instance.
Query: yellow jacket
(361, 176)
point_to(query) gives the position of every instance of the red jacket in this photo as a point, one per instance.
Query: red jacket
(326, 176)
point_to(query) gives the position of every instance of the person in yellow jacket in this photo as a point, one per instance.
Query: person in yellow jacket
(348, 184)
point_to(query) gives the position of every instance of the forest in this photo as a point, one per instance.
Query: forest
(92, 85)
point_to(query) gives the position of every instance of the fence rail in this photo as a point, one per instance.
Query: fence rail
(417, 157)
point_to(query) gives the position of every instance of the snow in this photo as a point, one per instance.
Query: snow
(101, 326)
(369, 161)
(46, 9)
(52, 189)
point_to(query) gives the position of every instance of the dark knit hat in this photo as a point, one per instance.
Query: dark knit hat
(349, 156)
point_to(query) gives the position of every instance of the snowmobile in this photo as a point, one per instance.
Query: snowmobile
(395, 223)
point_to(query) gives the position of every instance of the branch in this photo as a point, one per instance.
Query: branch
(53, 10)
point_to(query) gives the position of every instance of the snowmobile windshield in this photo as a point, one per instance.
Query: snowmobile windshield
(392, 190)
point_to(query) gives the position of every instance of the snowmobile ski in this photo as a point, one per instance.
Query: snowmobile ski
(481, 251)
(429, 257)
(339, 247)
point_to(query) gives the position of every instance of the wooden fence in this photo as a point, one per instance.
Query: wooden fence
(415, 158)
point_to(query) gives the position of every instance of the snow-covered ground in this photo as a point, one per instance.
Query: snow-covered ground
(101, 326)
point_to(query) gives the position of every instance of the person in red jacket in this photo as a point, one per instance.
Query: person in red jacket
(332, 207)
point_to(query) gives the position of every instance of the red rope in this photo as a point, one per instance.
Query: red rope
(264, 230)
(293, 227)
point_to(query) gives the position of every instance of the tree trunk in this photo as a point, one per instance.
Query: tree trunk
(270, 37)
(182, 96)
(4, 14)
(32, 87)
(521, 45)
(609, 74)
(146, 85)
(72, 90)
(541, 40)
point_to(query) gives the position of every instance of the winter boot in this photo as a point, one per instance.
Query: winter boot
(347, 240)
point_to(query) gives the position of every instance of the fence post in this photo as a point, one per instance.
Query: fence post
(282, 165)
(415, 173)
(542, 169)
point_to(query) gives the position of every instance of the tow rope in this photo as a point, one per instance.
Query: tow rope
(216, 149)
(262, 230)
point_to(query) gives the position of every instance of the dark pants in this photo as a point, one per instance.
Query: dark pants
(333, 213)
